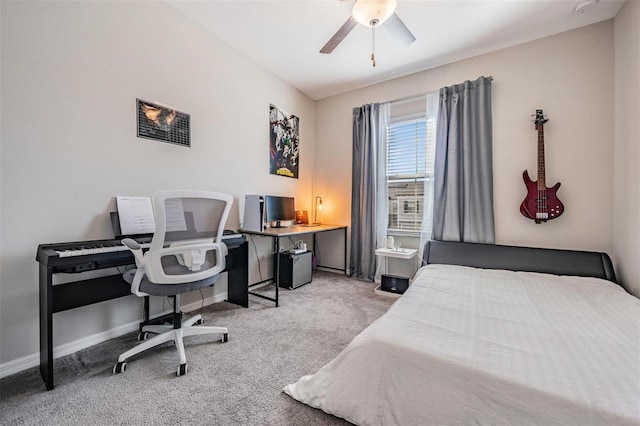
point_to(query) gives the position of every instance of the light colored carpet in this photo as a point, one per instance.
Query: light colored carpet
(235, 383)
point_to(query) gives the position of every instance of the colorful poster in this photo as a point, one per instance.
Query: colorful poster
(284, 143)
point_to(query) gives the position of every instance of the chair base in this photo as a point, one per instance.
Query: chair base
(166, 333)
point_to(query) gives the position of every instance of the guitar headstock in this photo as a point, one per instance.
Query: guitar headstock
(540, 118)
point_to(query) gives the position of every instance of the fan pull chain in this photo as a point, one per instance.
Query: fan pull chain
(373, 44)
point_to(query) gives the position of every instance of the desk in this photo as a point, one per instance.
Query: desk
(291, 231)
(61, 297)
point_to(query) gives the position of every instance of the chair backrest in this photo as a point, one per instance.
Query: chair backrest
(187, 243)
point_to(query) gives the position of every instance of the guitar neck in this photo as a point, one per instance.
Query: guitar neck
(542, 185)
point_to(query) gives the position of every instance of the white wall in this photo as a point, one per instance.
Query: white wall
(570, 77)
(626, 190)
(71, 73)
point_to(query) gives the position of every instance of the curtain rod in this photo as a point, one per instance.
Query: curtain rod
(419, 95)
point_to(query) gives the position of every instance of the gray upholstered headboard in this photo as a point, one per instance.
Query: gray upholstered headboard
(491, 256)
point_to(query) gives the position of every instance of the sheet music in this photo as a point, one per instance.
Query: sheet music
(136, 215)
(175, 215)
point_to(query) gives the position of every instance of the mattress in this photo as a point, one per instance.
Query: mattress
(466, 345)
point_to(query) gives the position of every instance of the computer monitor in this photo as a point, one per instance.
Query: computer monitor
(280, 209)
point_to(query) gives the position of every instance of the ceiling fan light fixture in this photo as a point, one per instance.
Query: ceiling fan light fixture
(373, 12)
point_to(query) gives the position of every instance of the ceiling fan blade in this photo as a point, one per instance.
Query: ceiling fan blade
(337, 38)
(396, 27)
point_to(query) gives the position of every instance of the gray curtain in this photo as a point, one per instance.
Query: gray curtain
(463, 170)
(368, 190)
(426, 228)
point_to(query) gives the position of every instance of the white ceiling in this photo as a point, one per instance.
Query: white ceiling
(285, 36)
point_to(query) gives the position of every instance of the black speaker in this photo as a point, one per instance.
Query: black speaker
(394, 283)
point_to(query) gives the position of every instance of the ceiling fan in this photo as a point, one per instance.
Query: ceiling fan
(371, 13)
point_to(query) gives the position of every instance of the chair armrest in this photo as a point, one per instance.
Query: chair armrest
(136, 249)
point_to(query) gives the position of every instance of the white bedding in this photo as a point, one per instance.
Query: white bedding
(467, 346)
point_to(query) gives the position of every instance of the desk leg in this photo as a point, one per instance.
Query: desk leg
(345, 251)
(314, 255)
(313, 243)
(46, 326)
(277, 271)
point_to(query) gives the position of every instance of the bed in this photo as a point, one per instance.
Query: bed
(490, 334)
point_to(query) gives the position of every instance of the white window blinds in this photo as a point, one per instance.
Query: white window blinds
(410, 142)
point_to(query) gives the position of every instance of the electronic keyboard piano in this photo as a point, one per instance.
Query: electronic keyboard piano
(82, 256)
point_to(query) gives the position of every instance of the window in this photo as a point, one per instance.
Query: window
(410, 144)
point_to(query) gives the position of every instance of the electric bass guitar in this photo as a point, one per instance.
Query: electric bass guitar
(541, 203)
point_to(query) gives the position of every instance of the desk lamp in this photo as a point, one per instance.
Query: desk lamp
(318, 206)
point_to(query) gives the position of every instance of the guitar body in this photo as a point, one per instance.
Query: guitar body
(540, 205)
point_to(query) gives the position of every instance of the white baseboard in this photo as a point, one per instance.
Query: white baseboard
(15, 366)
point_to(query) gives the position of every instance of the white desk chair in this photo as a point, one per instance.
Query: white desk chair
(186, 254)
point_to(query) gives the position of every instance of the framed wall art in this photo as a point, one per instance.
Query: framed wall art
(163, 124)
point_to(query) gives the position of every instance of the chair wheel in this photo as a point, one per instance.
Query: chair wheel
(225, 337)
(182, 370)
(143, 335)
(120, 367)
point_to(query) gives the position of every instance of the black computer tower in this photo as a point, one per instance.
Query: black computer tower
(295, 269)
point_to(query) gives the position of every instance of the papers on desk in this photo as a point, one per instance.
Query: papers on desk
(136, 215)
